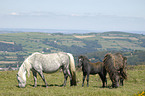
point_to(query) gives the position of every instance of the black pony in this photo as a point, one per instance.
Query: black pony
(92, 68)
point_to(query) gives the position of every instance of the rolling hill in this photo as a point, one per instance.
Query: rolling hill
(89, 42)
(15, 45)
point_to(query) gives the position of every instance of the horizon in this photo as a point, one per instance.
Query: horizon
(64, 31)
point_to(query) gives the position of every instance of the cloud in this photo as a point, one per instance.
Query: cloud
(54, 20)
(14, 13)
(36, 13)
(43, 13)
(75, 15)
(40, 13)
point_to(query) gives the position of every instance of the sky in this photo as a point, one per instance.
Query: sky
(101, 15)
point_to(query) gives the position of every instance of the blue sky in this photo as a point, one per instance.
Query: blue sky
(106, 15)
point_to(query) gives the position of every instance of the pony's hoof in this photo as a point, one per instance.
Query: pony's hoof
(46, 86)
(103, 86)
(34, 86)
(63, 85)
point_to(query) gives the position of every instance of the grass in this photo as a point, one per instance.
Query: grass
(133, 85)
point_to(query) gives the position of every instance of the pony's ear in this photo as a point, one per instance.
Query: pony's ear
(124, 58)
(81, 56)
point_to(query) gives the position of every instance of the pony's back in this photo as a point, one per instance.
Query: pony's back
(98, 65)
(114, 63)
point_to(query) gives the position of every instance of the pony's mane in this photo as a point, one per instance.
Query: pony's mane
(21, 71)
(26, 66)
(84, 57)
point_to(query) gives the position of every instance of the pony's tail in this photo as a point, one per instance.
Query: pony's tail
(123, 73)
(72, 69)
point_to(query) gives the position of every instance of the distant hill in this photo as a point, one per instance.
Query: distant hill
(75, 43)
(64, 31)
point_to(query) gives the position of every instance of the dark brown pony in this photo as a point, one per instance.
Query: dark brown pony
(115, 65)
(92, 68)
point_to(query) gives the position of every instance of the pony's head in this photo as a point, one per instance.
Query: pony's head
(80, 60)
(21, 81)
(21, 76)
(115, 79)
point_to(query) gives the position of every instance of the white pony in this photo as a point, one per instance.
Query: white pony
(47, 63)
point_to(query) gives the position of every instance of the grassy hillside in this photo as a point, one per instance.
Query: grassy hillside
(97, 41)
(135, 84)
(15, 45)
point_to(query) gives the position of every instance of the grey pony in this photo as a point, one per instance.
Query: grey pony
(47, 63)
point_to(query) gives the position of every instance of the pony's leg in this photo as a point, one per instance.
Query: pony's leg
(35, 79)
(69, 74)
(65, 77)
(84, 76)
(43, 78)
(121, 81)
(88, 80)
(103, 79)
(105, 73)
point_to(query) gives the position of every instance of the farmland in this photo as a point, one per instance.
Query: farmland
(132, 86)
(34, 41)
(15, 47)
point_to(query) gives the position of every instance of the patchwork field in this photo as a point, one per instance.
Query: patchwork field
(135, 84)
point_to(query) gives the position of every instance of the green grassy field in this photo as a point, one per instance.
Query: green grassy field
(133, 85)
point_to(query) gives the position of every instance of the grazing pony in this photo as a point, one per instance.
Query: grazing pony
(115, 65)
(48, 63)
(92, 68)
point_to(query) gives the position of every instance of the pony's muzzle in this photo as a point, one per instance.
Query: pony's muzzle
(115, 85)
(22, 85)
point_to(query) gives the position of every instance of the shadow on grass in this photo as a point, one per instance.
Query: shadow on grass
(19, 87)
(109, 87)
(50, 85)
